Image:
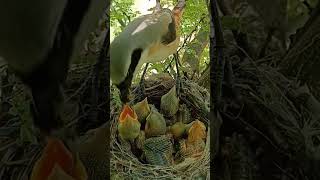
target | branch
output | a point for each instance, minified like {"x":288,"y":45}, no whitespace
{"x":121,"y":23}
{"x":125,"y":14}
{"x":217,"y":60}
{"x":190,"y":34}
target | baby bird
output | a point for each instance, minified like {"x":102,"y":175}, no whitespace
{"x":56,"y":162}
{"x":170,"y":102}
{"x":142,"y":109}
{"x":58,"y":173}
{"x":196,"y":132}
{"x":155,"y":124}
{"x":94,"y":153}
{"x":158,"y":150}
{"x":196,"y":138}
{"x":129,"y":126}
{"x":178,"y":130}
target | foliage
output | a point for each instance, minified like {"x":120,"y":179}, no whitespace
{"x":121,"y":14}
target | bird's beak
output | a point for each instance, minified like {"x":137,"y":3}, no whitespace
{"x":125,"y":85}
{"x":124,"y":88}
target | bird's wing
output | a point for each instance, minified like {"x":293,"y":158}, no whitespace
{"x":156,"y":35}
{"x":153,"y":28}
{"x":144,"y":32}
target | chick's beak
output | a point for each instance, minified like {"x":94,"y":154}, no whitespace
{"x":56,"y":154}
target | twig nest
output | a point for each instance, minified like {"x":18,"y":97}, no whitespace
{"x":161,"y":152}
{"x":128,"y":126}
{"x":142,"y":109}
{"x":178,"y":130}
{"x":181,"y":152}
{"x":158,"y":150}
{"x":184,"y":115}
{"x":170,"y":102}
{"x":155,"y":124}
{"x":195,"y":149}
{"x":140,"y":140}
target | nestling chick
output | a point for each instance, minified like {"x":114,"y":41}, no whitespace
{"x":56,"y":158}
{"x":178,"y":130}
{"x":58,"y":173}
{"x":155,"y":124}
{"x":140,"y":140}
{"x":158,"y":150}
{"x":196,"y":132}
{"x":142,"y":109}
{"x":170,"y":102}
{"x":129,"y":126}
{"x":94,"y":153}
{"x":196,"y":139}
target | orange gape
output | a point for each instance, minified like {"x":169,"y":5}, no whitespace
{"x":127,"y":111}
{"x":55,"y":153}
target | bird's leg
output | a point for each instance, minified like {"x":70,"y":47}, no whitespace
{"x":141,"y":83}
{"x":178,"y":82}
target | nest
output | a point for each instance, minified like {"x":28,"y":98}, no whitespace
{"x":124,"y":164}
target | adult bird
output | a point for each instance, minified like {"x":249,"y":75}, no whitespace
{"x":38,"y":39}
{"x":146,"y":39}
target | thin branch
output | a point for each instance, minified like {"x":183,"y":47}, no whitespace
{"x":121,"y":23}
{"x":188,"y":37}
{"x":128,"y":17}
